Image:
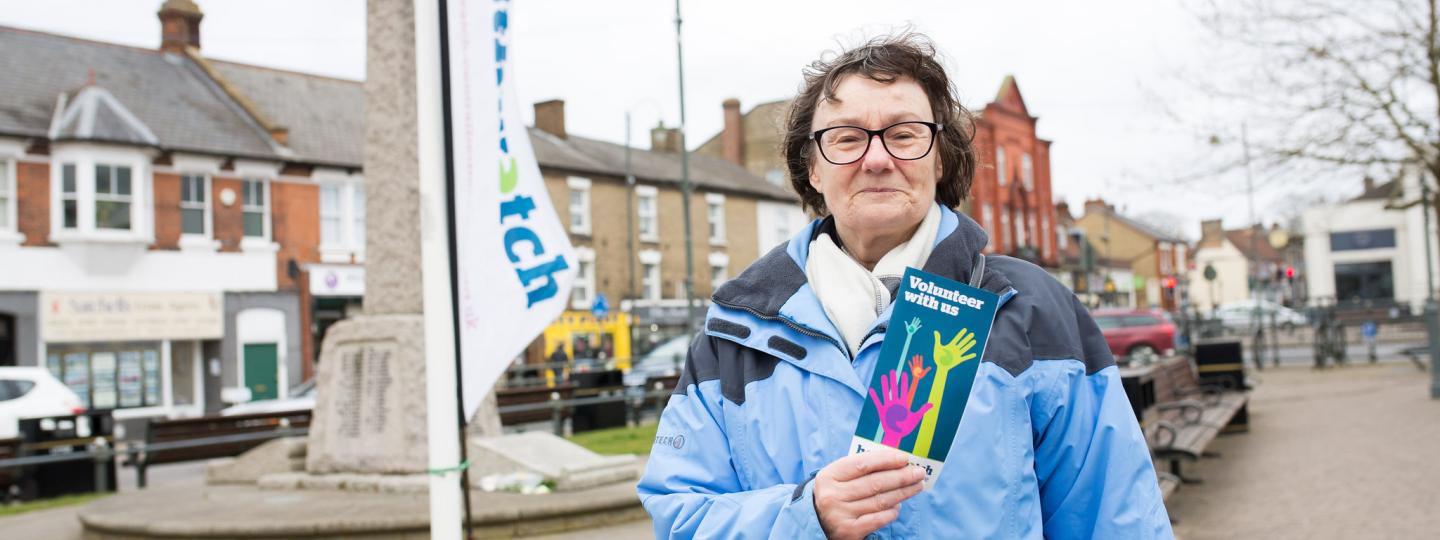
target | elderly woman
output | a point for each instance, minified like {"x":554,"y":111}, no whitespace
{"x":753,"y":442}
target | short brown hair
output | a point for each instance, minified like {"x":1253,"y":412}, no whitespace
{"x":884,"y":59}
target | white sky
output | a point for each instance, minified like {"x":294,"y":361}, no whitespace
{"x":1105,"y":78}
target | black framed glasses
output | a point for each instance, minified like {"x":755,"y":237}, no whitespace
{"x":908,"y":141}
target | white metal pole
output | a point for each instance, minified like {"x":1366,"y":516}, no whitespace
{"x":442,"y":408}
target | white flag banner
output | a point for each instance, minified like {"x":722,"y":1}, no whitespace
{"x":515,"y":262}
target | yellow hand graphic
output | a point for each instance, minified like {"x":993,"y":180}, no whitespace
{"x":956,"y":352}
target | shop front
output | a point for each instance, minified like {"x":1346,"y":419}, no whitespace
{"x":137,"y":354}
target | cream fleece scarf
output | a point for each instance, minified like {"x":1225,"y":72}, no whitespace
{"x":854,"y":297}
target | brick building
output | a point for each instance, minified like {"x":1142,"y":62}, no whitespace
{"x":176,"y":229}
{"x":639,"y":264}
{"x":1011,"y":195}
{"x":1156,"y":260}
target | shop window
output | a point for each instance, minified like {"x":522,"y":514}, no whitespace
{"x":109,"y":376}
{"x":183,"y":358}
{"x":1364,"y":281}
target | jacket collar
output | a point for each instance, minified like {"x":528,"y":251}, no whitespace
{"x":774,"y":281}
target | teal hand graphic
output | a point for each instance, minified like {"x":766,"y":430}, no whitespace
{"x":912,"y":327}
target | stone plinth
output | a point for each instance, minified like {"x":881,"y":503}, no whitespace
{"x":370,"y":405}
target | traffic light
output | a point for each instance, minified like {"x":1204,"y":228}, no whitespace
{"x":1290,"y":272}
{"x":1170,"y":282}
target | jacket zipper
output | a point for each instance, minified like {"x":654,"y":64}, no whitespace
{"x":787,"y":322}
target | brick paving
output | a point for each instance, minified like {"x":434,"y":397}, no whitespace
{"x":1352,"y":452}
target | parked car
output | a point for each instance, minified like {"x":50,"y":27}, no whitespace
{"x":32,"y":392}
{"x":1239,"y":315}
{"x":1137,"y":332}
{"x":665,"y":360}
{"x":301,"y":398}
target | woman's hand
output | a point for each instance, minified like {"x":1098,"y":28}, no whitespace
{"x":858,"y":494}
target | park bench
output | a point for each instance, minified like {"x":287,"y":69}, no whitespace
{"x":170,"y":441}
{"x":526,"y":395}
{"x":1190,"y":413}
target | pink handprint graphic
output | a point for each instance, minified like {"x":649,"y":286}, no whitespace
{"x":896,"y":418}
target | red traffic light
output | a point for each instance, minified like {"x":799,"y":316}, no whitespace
{"x":1289,"y":272}
{"x":1169,"y":282}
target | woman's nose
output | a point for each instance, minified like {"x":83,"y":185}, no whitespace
{"x":876,"y":159}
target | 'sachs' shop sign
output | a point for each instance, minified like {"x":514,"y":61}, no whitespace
{"x":67,"y":317}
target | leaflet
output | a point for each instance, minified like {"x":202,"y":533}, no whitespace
{"x":937,"y":336}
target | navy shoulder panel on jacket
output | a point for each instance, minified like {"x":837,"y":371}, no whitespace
{"x":765,"y":285}
{"x":735,"y":366}
{"x":1048,"y":322}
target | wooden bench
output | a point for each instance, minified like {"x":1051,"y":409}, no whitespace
{"x":1189,"y":415}
{"x":506,"y":397}
{"x":159,"y":432}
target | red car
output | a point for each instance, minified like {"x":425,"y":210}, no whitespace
{"x":1136,"y":332}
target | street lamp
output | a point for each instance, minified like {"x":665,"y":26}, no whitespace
{"x":1252,"y":258}
{"x":686,"y":188}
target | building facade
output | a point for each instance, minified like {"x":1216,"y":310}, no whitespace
{"x":1243,"y":262}
{"x":1157,"y":261}
{"x":630,"y":238}
{"x":169,"y":222}
{"x":1371,"y":250}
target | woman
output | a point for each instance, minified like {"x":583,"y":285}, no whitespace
{"x":756,"y":434}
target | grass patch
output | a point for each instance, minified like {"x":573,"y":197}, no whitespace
{"x":625,"y":440}
{"x":46,"y":504}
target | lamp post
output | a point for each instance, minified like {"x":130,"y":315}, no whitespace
{"x":1251,"y":258}
{"x":686,"y":189}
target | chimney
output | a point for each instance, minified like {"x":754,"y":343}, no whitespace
{"x":663,"y":139}
{"x":1062,"y":211}
{"x":1369,"y":184}
{"x":179,"y":26}
{"x":1097,"y":206}
{"x":1210,"y":228}
{"x":550,"y":117}
{"x":732,"y":139}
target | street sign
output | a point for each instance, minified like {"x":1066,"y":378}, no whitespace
{"x":601,"y":308}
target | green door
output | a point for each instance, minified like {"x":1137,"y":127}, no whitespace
{"x":261,"y":362}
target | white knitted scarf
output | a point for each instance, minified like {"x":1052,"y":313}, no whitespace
{"x":854,"y":297}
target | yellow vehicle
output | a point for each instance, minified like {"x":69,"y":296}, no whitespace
{"x":584,"y":336}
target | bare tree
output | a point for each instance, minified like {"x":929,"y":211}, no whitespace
{"x":1346,"y":87}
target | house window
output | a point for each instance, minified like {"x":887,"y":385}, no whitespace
{"x":1044,"y":232}
{"x":715,"y":214}
{"x":254,"y":207}
{"x":112,"y":197}
{"x":69,"y":197}
{"x":342,"y":220}
{"x":645,"y":213}
{"x":579,"y":205}
{"x":582,"y":293}
{"x":7,"y":198}
{"x":1000,"y":164}
{"x":194,"y":213}
{"x":717,"y":276}
{"x":987,"y":222}
{"x":1021,"y":234}
{"x":1004,"y":229}
{"x":650,"y":280}
{"x":331,"y":222}
{"x":357,"y":210}
{"x":1027,"y":172}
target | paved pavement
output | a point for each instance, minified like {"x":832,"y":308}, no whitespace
{"x":1338,"y":453}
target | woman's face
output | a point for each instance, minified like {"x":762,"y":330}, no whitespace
{"x":877,"y":194}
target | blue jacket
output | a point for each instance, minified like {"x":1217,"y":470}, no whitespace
{"x":1048,"y":445}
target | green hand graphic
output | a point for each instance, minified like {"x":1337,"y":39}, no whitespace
{"x":947,"y":356}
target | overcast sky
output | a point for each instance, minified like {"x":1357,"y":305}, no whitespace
{"x":1106,"y":79}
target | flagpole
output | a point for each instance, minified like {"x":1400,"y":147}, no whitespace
{"x":442,"y":406}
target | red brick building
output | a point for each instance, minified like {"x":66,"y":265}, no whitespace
{"x":1011,"y":196}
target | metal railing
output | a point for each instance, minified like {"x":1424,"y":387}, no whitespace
{"x":101,"y":453}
